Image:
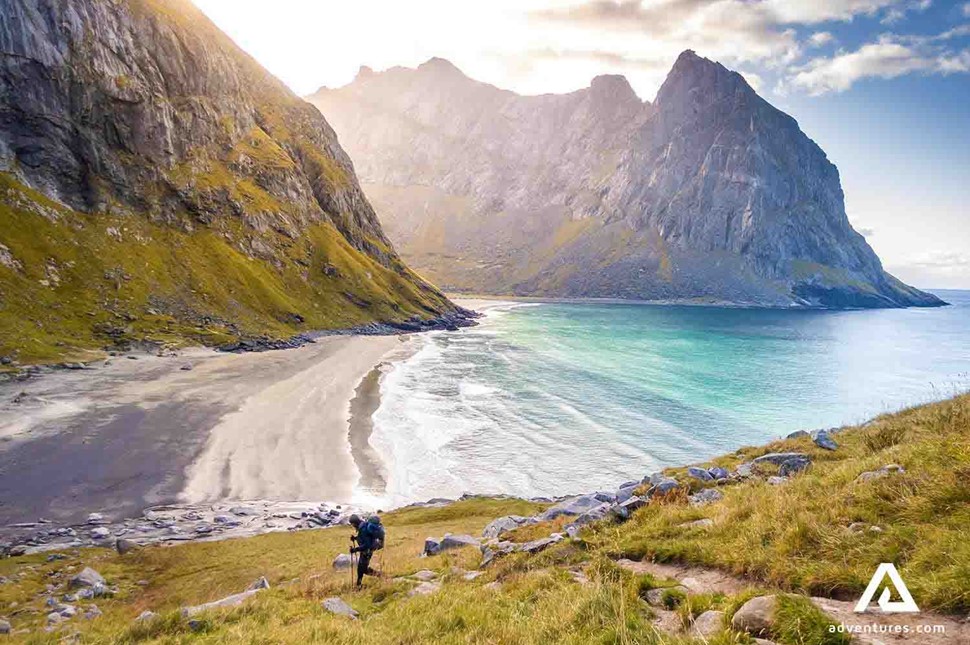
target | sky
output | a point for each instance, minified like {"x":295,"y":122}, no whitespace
{"x":883,"y":86}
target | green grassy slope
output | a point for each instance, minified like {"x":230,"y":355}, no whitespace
{"x":794,"y":538}
{"x":79,"y":282}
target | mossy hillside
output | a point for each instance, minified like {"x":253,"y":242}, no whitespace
{"x":84,"y":281}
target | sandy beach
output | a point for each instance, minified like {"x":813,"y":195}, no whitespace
{"x":201,"y":426}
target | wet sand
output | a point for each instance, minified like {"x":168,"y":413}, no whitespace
{"x":137,"y":433}
{"x":366,"y":401}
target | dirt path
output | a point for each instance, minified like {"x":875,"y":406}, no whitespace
{"x":879,"y":627}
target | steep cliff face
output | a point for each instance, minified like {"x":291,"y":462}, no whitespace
{"x":157,"y":180}
{"x":708,"y":194}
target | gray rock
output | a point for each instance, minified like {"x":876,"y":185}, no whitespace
{"x":432,"y":546}
{"x":492,"y":551}
{"x":745,"y":470}
{"x":243,"y":511}
{"x":449,"y":542}
{"x":424,"y":575}
{"x":100,"y":533}
{"x":92,"y":612}
{"x":260,"y":583}
{"x":146,"y":615}
{"x":703,"y":523}
{"x":96,"y":518}
{"x":718,"y":473}
{"x":573,"y":506}
{"x":593,"y":515}
{"x":87,"y":578}
{"x":885,"y":471}
{"x":496,"y":527}
{"x":425,"y":589}
{"x":5,"y":627}
{"x":797,"y":434}
{"x":471,"y":575}
{"x":541,"y":544}
{"x":342,"y":561}
{"x":337,"y":606}
{"x":757,"y":616}
{"x":707,"y":625}
{"x":625,"y":509}
{"x":778,"y":458}
{"x":663,"y":487}
{"x":605,"y":497}
{"x":774,"y":480}
{"x":229,"y":601}
{"x":793,"y":467}
{"x":123,"y":546}
{"x":699,"y":474}
{"x":705,"y":496}
{"x":823,"y":439}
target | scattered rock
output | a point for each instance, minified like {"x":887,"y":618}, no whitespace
{"x":18,"y":550}
{"x":186,"y":368}
{"x":699,"y":474}
{"x":471,"y":575}
{"x":425,"y":575}
{"x":885,"y":471}
{"x":756,"y":616}
{"x":797,"y":434}
{"x":88,"y":578}
{"x":496,"y":527}
{"x":229,"y":601}
{"x":823,"y":439}
{"x":92,"y":612}
{"x":707,"y":625}
{"x":778,"y":458}
{"x":662,"y":487}
{"x":706,"y":496}
{"x":146,"y":615}
{"x":777,"y":481}
{"x":261,"y":583}
{"x":123,"y":546}
{"x":337,"y":606}
{"x":342,"y":561}
{"x":655,"y":596}
{"x":95,"y":518}
{"x":718,"y":473}
{"x":541,"y":544}
{"x":625,"y":509}
{"x":425,"y":588}
{"x":432,"y":546}
{"x":745,"y":470}
{"x":450,"y":542}
{"x":100,"y":533}
{"x":5,"y":627}
{"x":792,"y":467}
{"x":573,"y":506}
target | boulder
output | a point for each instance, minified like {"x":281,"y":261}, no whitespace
{"x":92,"y":612}
{"x":663,"y":487}
{"x":496,"y":527}
{"x":123,"y":546}
{"x":745,"y":470}
{"x":88,"y":578}
{"x":605,"y":497}
{"x":707,"y":625}
{"x":706,"y":496}
{"x":624,"y":494}
{"x":593,"y":515}
{"x":823,"y":439}
{"x":717,"y":473}
{"x":337,"y":606}
{"x":500,"y":548}
{"x":342,"y":561}
{"x":793,"y":467}
{"x":573,"y":506}
{"x":432,"y":546}
{"x":778,"y":458}
{"x":699,"y":474}
{"x":5,"y":627}
{"x":624,"y":510}
{"x":541,"y":544}
{"x":757,"y":616}
{"x":449,"y":542}
{"x":95,"y":518}
{"x":797,"y":434}
{"x":229,"y":601}
{"x":100,"y":533}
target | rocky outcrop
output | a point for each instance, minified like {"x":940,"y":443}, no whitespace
{"x":707,"y":194}
{"x":150,"y":170}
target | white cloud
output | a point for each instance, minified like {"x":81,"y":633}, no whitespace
{"x":953,"y":260}
{"x":890,"y":57}
{"x":820,"y":39}
{"x":966,"y":10}
{"x":815,"y":11}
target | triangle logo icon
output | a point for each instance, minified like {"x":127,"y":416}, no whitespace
{"x":906,"y":605}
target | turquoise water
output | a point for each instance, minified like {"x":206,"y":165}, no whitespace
{"x":551,"y":398}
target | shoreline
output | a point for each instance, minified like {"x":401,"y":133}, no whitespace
{"x":366,"y":401}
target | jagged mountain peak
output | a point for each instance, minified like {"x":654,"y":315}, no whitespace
{"x":613,"y":87}
{"x":696,"y":76}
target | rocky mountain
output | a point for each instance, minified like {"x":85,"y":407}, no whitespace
{"x":709,"y":194}
{"x":158,"y":183}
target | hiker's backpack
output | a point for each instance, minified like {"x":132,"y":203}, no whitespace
{"x":374,"y":531}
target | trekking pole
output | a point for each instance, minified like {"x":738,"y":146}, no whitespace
{"x":351,"y":566}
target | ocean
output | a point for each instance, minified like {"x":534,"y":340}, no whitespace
{"x":548,"y":399}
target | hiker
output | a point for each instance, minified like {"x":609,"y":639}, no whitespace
{"x":369,"y":538}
